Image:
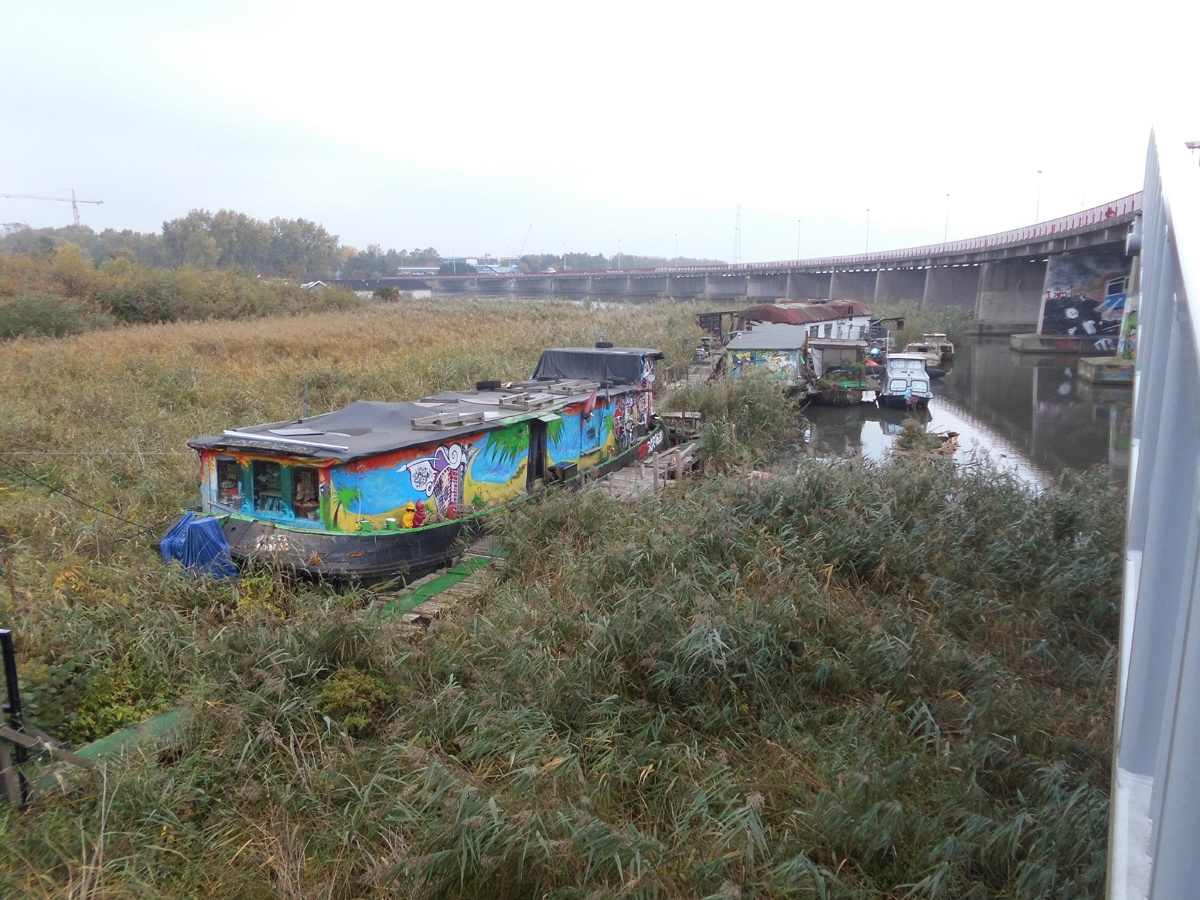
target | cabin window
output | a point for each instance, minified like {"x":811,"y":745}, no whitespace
{"x":897,"y":385}
{"x":305,"y":499}
{"x":829,"y":330}
{"x":920,"y":386}
{"x":268,"y":486}
{"x":229,"y":481}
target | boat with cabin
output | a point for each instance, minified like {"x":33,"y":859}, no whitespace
{"x":931,"y":352}
{"x":904,"y":383}
{"x":384,"y":490}
{"x":941,"y":342}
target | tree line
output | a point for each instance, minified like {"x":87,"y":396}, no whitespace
{"x":289,"y":248}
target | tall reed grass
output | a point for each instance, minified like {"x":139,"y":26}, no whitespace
{"x":849,"y":681}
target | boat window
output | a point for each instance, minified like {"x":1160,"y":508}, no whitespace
{"x":920,"y":386}
{"x":897,"y":384}
{"x":829,"y":330}
{"x":268,"y":481}
{"x":229,"y":481}
{"x":305,"y":502}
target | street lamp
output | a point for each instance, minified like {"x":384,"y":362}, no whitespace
{"x":946,"y":230}
{"x":677,"y":250}
{"x":619,"y":254}
{"x":867,"y":246}
{"x":1037,"y":210}
{"x":798,"y":221}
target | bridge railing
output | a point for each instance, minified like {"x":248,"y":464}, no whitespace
{"x":1155,"y":812}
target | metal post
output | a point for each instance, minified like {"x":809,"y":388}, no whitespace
{"x":14,"y":786}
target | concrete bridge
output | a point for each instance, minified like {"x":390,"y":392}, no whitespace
{"x":998,"y":277}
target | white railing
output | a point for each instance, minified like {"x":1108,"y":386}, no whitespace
{"x":1155,"y":817}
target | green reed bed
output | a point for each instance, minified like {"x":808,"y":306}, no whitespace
{"x":846,"y":681}
{"x":854,"y":681}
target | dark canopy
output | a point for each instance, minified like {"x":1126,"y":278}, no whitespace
{"x":617,"y":365}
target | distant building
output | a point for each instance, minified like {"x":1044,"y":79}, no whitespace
{"x":366,"y":287}
{"x":844,"y":319}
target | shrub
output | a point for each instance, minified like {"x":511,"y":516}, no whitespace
{"x":35,"y":314}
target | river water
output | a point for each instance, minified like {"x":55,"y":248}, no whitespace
{"x":1027,"y":413}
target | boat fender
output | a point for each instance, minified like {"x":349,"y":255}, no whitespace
{"x":487,"y":385}
{"x":604,"y":344}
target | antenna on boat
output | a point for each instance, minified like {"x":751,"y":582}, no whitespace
{"x":304,"y":402}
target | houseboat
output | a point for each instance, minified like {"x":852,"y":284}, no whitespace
{"x":776,"y":349}
{"x":837,"y":370}
{"x":931,"y":352}
{"x":383,"y":490}
{"x":904,"y":383}
{"x":943,"y":343}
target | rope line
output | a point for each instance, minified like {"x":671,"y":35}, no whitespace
{"x":55,"y":490}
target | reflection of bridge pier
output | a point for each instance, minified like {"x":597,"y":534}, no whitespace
{"x":1001,"y":278}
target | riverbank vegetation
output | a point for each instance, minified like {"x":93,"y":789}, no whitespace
{"x":842,"y":680}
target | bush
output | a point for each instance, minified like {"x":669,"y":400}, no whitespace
{"x":35,"y":314}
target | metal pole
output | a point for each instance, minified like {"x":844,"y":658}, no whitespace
{"x":946,"y":230}
{"x":867,"y":246}
{"x":10,"y":678}
{"x":12,"y":786}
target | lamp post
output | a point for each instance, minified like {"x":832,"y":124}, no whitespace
{"x":867,"y":245}
{"x":619,"y":254}
{"x":677,"y":250}
{"x":946,"y":229}
{"x":1037,"y":209}
{"x":798,"y":221}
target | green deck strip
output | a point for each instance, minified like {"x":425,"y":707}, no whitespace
{"x":121,"y":742}
{"x":418,"y":595}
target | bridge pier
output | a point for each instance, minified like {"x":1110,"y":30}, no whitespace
{"x":952,"y":286}
{"x":901,"y":286}
{"x":770,"y":287}
{"x":725,"y":287}
{"x":1009,"y":297}
{"x":686,"y":287}
{"x":858,"y":285}
{"x":808,"y":285}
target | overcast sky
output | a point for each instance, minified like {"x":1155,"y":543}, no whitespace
{"x":703,"y":130}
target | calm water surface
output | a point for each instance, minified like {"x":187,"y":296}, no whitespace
{"x":1029,"y":413}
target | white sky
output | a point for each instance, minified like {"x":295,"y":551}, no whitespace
{"x":635,"y":127}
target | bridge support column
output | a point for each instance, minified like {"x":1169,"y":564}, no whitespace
{"x":1009,"y":298}
{"x":686,"y":287}
{"x":955,"y":287}
{"x":725,"y":287}
{"x":901,"y":286}
{"x":770,"y":287}
{"x":853,"y":286}
{"x":808,"y":285}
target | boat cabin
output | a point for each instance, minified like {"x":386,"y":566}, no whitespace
{"x":905,"y":383}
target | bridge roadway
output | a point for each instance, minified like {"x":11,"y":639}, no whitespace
{"x":999,"y":277}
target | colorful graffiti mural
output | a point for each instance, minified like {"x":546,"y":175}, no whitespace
{"x":449,"y":480}
{"x":1085,"y":296}
{"x":781,"y":364}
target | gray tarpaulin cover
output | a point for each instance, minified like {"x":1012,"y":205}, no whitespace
{"x":619,"y":365}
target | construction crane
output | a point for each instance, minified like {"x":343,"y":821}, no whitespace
{"x":72,"y":200}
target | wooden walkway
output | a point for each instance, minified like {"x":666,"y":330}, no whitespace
{"x":419,"y":603}
{"x":652,"y":474}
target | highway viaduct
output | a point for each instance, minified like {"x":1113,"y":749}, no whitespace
{"x":999,"y":278}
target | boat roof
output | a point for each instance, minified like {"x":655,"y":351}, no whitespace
{"x":370,"y":427}
{"x":770,"y":336}
{"x":618,"y":365}
{"x":911,"y":356}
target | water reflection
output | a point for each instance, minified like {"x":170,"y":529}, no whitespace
{"x":1028,"y":413}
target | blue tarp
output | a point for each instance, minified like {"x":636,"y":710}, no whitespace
{"x":199,"y":543}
